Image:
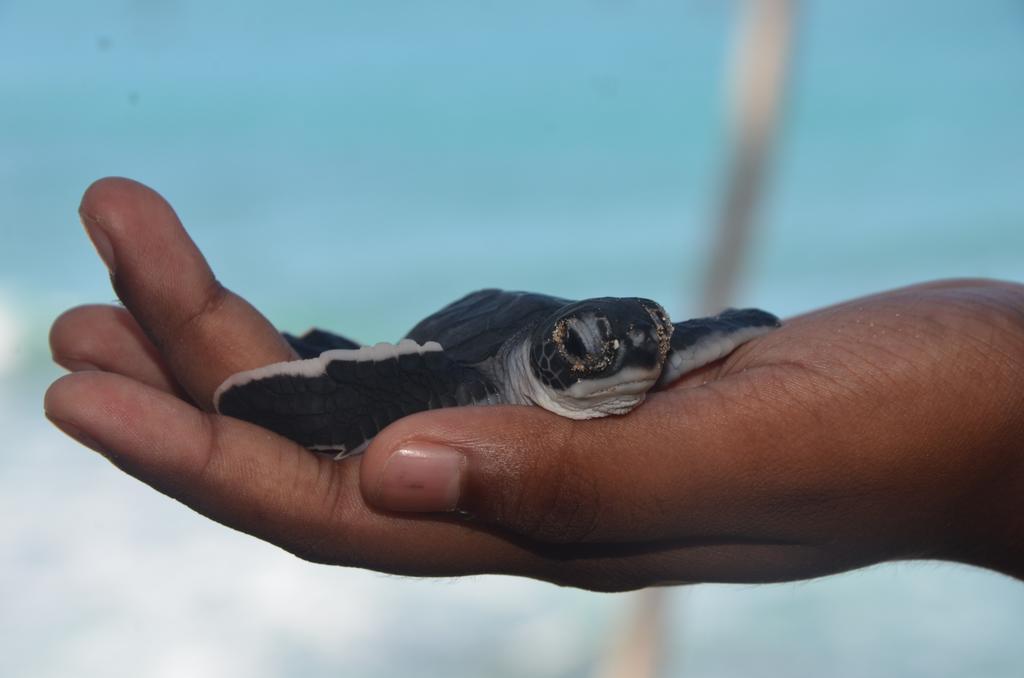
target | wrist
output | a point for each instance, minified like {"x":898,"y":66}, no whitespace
{"x":993,"y":512}
{"x":1000,"y":541}
{"x":986,"y":518}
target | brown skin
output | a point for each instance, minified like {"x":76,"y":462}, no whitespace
{"x":884,"y":428}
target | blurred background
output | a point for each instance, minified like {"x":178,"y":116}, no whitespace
{"x":357,"y":165}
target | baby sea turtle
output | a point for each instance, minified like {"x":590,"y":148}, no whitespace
{"x":579,"y":359}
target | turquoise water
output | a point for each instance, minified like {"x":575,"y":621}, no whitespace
{"x":358,"y":165}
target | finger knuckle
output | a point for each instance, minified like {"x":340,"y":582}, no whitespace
{"x":214,"y":296}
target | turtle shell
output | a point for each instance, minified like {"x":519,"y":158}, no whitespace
{"x":474,"y":328}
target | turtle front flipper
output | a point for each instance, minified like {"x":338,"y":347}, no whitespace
{"x":341,"y":399}
{"x":316,"y":341}
{"x":700,"y":341}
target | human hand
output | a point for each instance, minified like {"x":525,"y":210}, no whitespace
{"x":883,"y":428}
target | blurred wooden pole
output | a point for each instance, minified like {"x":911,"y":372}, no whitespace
{"x":758,"y":85}
{"x":758,"y":82}
{"x":635,"y":650}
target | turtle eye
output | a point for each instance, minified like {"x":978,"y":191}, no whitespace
{"x":573,"y":344}
{"x":582,"y":343}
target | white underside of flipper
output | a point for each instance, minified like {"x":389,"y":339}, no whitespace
{"x":707,"y":350}
{"x":314,"y":367}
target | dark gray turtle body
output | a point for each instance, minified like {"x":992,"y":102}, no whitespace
{"x":581,"y":359}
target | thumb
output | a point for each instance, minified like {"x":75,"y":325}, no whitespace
{"x":663,"y":470}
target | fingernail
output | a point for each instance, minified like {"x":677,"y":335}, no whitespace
{"x":421,"y":477}
{"x":77,"y":433}
{"x":99,"y":239}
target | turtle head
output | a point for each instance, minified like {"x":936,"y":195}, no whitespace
{"x":598,"y":356}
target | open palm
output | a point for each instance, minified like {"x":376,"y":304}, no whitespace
{"x":882,"y":428}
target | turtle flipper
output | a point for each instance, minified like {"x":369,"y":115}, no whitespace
{"x":701,"y":341}
{"x":316,"y":341}
{"x":339,"y":400}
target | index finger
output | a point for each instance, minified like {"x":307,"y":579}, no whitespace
{"x":204,"y":331}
